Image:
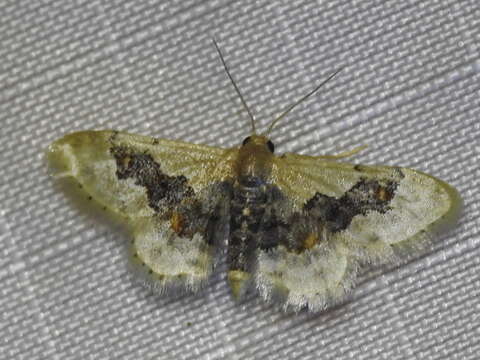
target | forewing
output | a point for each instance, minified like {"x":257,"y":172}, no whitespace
{"x":345,"y":215}
{"x":126,"y":172}
{"x":388,"y":204}
{"x":171,"y":193}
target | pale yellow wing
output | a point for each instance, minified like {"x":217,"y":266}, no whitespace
{"x":418,"y":202}
{"x":348,"y":215}
{"x":170,"y":192}
{"x":94,"y":157}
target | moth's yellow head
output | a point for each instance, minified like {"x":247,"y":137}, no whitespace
{"x":258,"y":143}
{"x":255,"y":156}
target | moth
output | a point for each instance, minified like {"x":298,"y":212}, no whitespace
{"x":296,"y":228}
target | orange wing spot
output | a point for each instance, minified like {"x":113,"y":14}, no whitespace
{"x":177,"y":222}
{"x":383,"y":194}
{"x":126,"y":161}
{"x":310,"y":241}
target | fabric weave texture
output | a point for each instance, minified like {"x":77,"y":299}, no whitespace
{"x":409,"y":89}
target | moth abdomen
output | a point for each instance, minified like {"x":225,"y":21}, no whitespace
{"x":246,"y":213}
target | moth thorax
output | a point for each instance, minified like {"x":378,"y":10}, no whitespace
{"x":254,"y":161}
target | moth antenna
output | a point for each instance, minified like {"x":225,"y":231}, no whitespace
{"x":236,"y":87}
{"x":290,"y":108}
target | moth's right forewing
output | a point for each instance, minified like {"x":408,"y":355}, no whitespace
{"x":95,"y":159}
{"x":173,"y":194}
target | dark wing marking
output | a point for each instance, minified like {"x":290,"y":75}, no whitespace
{"x":163,"y":191}
{"x":366,"y":195}
{"x":171,"y":193}
{"x":380,"y":213}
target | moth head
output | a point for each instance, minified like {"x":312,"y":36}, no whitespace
{"x":258,"y":141}
{"x":255,"y":157}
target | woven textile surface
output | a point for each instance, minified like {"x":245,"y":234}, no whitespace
{"x":409,"y":88}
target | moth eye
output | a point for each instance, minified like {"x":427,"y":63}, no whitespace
{"x":247,"y":139}
{"x":270,"y":145}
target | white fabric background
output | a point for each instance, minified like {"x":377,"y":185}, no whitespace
{"x":409,"y":89}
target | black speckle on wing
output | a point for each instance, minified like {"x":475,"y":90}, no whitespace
{"x":365,"y":195}
{"x":162,"y":190}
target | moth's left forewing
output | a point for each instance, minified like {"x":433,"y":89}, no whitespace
{"x":360,"y":214}
{"x":421,"y":206}
{"x":415,"y":201}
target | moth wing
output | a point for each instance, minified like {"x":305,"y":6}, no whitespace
{"x":414,"y":202}
{"x":94,"y":158}
{"x":350,"y":214}
{"x":170,"y":193}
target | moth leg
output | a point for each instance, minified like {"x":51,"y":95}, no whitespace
{"x":344,"y":154}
